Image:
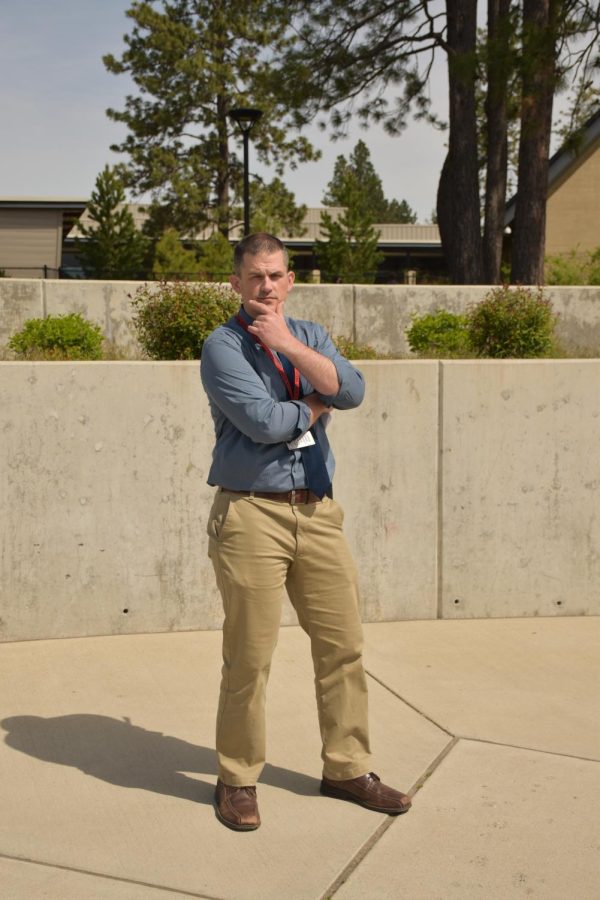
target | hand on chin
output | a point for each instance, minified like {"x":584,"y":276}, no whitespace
{"x":269,"y":304}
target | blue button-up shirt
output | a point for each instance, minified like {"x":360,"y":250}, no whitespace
{"x":253,"y":415}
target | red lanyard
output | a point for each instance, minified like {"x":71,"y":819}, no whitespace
{"x":295,"y":393}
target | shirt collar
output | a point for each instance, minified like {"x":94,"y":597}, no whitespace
{"x":244,"y":315}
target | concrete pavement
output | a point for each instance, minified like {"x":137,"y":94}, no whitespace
{"x":108,"y":769}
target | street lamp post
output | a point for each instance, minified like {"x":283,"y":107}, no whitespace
{"x":246,"y":119}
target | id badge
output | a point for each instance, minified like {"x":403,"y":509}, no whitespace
{"x":305,"y":440}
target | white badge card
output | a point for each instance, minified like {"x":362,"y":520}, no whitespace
{"x":305,"y":440}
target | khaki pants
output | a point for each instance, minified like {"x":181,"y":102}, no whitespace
{"x":259,"y":547}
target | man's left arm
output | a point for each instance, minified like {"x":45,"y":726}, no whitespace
{"x":337,"y":382}
{"x":316,"y":368}
{"x":350,"y":380}
{"x":272,"y":329}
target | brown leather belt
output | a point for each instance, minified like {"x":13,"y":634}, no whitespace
{"x":293,"y":497}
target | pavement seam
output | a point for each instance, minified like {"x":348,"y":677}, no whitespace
{"x":371,"y":841}
{"x":356,"y":860}
{"x":91,"y":873}
{"x":433,"y":765}
{"x":408,"y":703}
{"x":465,"y":737}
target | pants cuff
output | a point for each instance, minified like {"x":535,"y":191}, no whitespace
{"x":237,"y":780}
{"x":345,"y":773}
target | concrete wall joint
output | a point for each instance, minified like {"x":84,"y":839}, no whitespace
{"x":440,"y":493}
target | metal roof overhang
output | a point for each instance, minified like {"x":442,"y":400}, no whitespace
{"x":71,"y":207}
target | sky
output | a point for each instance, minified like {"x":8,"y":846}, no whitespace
{"x":54,"y":91}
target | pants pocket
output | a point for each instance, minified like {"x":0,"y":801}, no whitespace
{"x":219,"y":516}
{"x":337,"y":513}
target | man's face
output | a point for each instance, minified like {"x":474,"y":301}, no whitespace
{"x":263,"y":283}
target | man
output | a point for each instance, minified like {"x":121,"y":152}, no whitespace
{"x":271,"y":382}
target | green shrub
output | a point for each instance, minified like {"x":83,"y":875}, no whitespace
{"x":574,"y":267}
{"x":58,"y":338}
{"x":352,"y":350}
{"x":439,"y":334}
{"x":174,"y":319}
{"x":512,"y":322}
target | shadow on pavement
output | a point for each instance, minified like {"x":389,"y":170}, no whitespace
{"x":116,"y":751}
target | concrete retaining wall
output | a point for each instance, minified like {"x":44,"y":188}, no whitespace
{"x":370,"y":314}
{"x":519,"y":488}
{"x":470,"y":489}
{"x":382,"y":313}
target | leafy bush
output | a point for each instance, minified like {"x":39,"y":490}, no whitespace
{"x":512,"y":323}
{"x":574,"y":267}
{"x":352,"y":350}
{"x":508,"y":322}
{"x":439,"y":334}
{"x":58,"y":338}
{"x":174,"y":319}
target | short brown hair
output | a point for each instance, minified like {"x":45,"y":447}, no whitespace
{"x":253,"y":244}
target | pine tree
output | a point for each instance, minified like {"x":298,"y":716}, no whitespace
{"x":172,"y":262}
{"x":350,"y":254}
{"x":273,"y":209}
{"x":216,"y":258}
{"x":400,"y":212}
{"x":192,"y":61}
{"x":356,"y":177}
{"x":113,"y":248}
{"x":540,"y":76}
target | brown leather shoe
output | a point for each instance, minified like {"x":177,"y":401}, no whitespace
{"x":237,"y":807}
{"x":368,"y":791}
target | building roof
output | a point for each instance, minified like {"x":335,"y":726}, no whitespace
{"x":68,"y":203}
{"x":391,"y":234}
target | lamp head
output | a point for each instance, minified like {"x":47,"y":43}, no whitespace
{"x":245,"y":117}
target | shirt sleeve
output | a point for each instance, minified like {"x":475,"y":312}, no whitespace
{"x":351,"y":380}
{"x":237,"y":390}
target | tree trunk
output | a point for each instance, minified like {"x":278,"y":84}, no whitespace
{"x":445,"y":220}
{"x":496,"y":112}
{"x":539,"y":79}
{"x":222,"y":180}
{"x":462,"y":239}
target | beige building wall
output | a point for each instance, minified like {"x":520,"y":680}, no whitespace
{"x":29,"y":240}
{"x":573,"y":210}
